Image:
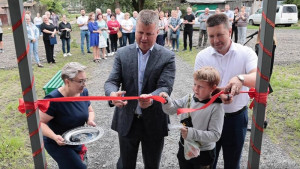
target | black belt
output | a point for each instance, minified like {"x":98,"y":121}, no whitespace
{"x":235,"y":113}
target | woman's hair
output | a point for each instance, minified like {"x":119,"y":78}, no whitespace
{"x":99,"y":14}
{"x":148,"y":17}
{"x":90,"y":15}
{"x":27,"y":16}
{"x":218,"y":19}
{"x":207,"y":74}
{"x":71,"y":70}
{"x":237,"y":9}
{"x":113,"y":14}
{"x":127,"y":14}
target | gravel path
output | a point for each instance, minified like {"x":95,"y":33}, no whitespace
{"x":104,"y":153}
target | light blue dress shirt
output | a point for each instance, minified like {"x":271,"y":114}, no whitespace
{"x":142,"y":63}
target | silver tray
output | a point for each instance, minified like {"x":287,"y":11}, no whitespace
{"x":82,"y":135}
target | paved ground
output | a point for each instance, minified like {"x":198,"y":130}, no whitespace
{"x":104,"y":153}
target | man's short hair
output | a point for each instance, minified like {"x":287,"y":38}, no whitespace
{"x":218,"y":19}
{"x":208,"y":74}
{"x":148,"y":17}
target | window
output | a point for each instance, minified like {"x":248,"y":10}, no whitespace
{"x":289,"y":9}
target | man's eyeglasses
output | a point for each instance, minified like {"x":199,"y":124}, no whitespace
{"x":81,"y":81}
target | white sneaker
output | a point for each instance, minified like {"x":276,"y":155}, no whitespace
{"x":69,"y":54}
{"x":65,"y":55}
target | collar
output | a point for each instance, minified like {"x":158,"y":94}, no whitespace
{"x":218,"y":100}
{"x":139,"y":50}
{"x":232,"y":48}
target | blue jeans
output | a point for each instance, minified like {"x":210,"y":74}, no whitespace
{"x":160,"y":40}
{"x":177,"y":41}
{"x":132,"y":38}
{"x":39,"y":26}
{"x":34,"y":50}
{"x":242,"y":31}
{"x":126,"y":36}
{"x":232,"y":140}
{"x":85,"y":34}
{"x":64,"y":40}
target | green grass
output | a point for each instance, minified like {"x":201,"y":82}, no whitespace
{"x":282,"y":108}
{"x":15,"y":149}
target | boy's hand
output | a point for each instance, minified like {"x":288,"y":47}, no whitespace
{"x":184,"y":132}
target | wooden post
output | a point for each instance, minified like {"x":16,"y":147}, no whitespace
{"x":17,"y":15}
{"x":262,"y":81}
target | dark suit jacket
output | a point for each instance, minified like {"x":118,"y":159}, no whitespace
{"x":159,"y":77}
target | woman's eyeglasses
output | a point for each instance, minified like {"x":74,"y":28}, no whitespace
{"x":81,"y":81}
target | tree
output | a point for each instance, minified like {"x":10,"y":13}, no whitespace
{"x":53,"y":5}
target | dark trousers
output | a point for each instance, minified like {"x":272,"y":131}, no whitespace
{"x":64,"y":41}
{"x":65,"y":156}
{"x":113,"y":40}
{"x":235,"y":32}
{"x":107,"y":48}
{"x":202,"y":33}
{"x":190,"y":34}
{"x":126,"y":36}
{"x":132,"y":38}
{"x":129,"y":146}
{"x":232,"y":140}
{"x":121,"y":39}
{"x":160,"y":40}
{"x":49,"y":51}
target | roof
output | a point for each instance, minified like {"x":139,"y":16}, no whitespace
{"x":205,"y":1}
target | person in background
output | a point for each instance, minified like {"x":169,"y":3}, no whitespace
{"x":82,"y":22}
{"x":168,"y":34}
{"x":48,"y":14}
{"x":108,"y":46}
{"x":54,"y":19}
{"x":127,"y":26}
{"x":29,"y":13}
{"x":65,"y":28}
{"x":63,"y":116}
{"x":174,"y":28}
{"x":142,"y":69}
{"x":239,"y":75}
{"x":33,"y":34}
{"x":94,"y":36}
{"x":98,"y":11}
{"x":1,"y":34}
{"x":38,"y":21}
{"x":217,"y":11}
{"x":202,"y":31}
{"x":203,"y":127}
{"x":113,"y":27}
{"x":234,"y":25}
{"x":179,"y":13}
{"x":49,"y":31}
{"x":133,"y":19}
{"x":161,"y":28}
{"x":120,"y":18}
{"x":102,"y":31}
{"x":188,"y":21}
{"x":242,"y":26}
{"x":108,"y":14}
{"x":229,"y":14}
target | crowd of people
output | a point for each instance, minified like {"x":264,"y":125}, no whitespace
{"x":144,"y":67}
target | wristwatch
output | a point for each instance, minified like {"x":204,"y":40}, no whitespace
{"x":241,"y":78}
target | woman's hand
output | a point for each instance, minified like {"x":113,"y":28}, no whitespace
{"x":52,"y":35}
{"x":184,"y":132}
{"x":100,"y":31}
{"x":91,"y":123}
{"x":59,"y":140}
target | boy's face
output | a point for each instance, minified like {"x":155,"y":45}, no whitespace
{"x":202,"y":89}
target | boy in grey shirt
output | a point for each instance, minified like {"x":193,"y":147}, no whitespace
{"x":203,"y":126}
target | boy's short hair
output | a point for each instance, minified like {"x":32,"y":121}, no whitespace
{"x":208,"y":74}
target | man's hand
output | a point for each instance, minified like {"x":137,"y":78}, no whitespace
{"x":145,"y":101}
{"x":184,"y":132}
{"x":59,"y":140}
{"x":118,"y":103}
{"x":234,"y":86}
{"x":91,"y":123}
{"x":226,"y":98}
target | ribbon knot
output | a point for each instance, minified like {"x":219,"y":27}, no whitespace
{"x":258,"y":97}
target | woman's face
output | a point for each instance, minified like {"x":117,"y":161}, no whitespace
{"x":46,"y":20}
{"x":93,"y":17}
{"x":100,"y":17}
{"x":236,"y":11}
{"x":27,"y":19}
{"x":126,"y":16}
{"x":113,"y":18}
{"x":78,"y":83}
{"x":105,"y":18}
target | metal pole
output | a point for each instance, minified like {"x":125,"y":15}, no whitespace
{"x":17,"y":15}
{"x":262,"y":80}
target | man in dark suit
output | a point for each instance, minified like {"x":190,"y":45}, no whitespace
{"x":141,"y":69}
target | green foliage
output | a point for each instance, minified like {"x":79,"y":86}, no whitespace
{"x":53,"y":5}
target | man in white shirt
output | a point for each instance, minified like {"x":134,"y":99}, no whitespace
{"x":82,"y":22}
{"x":119,"y":17}
{"x":229,"y":13}
{"x":237,"y":66}
{"x":108,"y":14}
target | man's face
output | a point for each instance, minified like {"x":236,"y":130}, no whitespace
{"x":206,"y":10}
{"x":108,"y":11}
{"x":135,"y":14}
{"x":82,"y":12}
{"x":189,"y":10}
{"x":145,"y":36}
{"x":219,"y":38}
{"x":117,"y":11}
{"x":227,"y":7}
